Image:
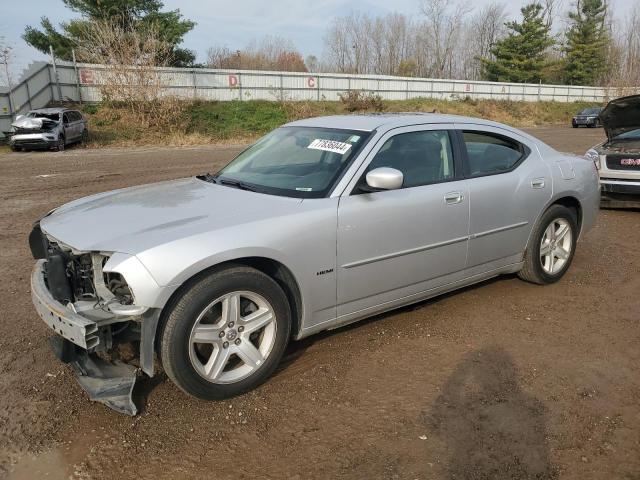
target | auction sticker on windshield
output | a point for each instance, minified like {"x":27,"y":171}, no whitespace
{"x":330,"y":146}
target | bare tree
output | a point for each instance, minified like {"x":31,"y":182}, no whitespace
{"x":131,"y":77}
{"x":477,"y":37}
{"x":219,"y":57}
{"x":443,"y":22}
{"x":269,"y":53}
{"x":311,"y":61}
{"x":623,"y":69}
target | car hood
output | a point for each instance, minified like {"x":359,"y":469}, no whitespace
{"x":134,"y":219}
{"x":621,"y":115}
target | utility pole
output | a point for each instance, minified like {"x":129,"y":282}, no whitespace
{"x":55,"y":73}
{"x":5,"y":60}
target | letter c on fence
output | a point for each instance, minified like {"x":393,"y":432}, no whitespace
{"x":233,"y":81}
{"x":311,"y":82}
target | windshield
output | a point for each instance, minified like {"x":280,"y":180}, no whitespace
{"x":630,"y":135}
{"x":300,"y":162}
{"x":590,"y":111}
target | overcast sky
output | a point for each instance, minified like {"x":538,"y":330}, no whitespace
{"x":235,"y":23}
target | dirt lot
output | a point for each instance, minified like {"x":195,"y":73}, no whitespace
{"x":502,"y":380}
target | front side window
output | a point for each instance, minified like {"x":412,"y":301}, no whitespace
{"x":489,"y":154}
{"x":295,"y":161}
{"x":423,"y":157}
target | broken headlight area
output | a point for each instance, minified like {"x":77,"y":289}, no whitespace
{"x":98,"y":326}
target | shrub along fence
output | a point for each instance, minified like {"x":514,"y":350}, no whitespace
{"x":46,"y":82}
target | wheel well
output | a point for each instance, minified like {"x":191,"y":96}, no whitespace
{"x":573,"y":204}
{"x":283,"y":276}
{"x":274,"y":269}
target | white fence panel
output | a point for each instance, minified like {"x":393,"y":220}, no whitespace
{"x":82,"y":82}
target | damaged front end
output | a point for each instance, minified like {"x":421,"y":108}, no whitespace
{"x":101,"y":332}
{"x":34,"y":132}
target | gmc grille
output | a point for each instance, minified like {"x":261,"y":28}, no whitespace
{"x":623,"y":162}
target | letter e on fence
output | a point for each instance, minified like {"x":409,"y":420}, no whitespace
{"x":467,"y":87}
{"x":86,"y":76}
{"x":233,"y":81}
{"x":311,"y":82}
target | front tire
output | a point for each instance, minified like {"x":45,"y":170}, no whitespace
{"x":552,"y":246}
{"x":226,"y":333}
{"x":60,"y":144}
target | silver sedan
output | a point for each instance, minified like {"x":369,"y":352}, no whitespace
{"x":320,"y":223}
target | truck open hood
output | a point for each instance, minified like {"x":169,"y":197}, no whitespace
{"x":621,"y":115}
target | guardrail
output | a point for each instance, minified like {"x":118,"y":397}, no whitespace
{"x":45,"y":82}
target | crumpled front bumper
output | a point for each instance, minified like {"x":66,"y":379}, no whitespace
{"x":62,"y":320}
{"x":108,"y":382}
{"x":34,"y":140}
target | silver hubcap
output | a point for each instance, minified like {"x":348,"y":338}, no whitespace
{"x":232,"y":337}
{"x":556,"y":245}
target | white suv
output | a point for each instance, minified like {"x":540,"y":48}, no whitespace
{"x":618,"y":159}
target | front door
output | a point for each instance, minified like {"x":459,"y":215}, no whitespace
{"x":399,"y":243}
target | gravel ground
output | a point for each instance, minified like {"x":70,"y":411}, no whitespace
{"x":502,"y":380}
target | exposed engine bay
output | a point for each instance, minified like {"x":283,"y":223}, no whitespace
{"x":99,"y":328}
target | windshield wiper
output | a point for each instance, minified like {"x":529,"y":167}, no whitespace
{"x":207,"y":177}
{"x":236,"y":184}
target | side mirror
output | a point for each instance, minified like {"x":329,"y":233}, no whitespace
{"x":384,"y":178}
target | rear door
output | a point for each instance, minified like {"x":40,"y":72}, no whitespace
{"x":509,"y":185}
{"x":69,"y":133}
{"x":76,"y":119}
{"x":396,"y":244}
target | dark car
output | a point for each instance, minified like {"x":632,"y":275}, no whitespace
{"x":47,"y":128}
{"x":589,"y":117}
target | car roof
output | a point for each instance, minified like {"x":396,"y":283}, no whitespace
{"x":373,"y":121}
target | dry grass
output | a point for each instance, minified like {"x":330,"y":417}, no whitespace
{"x":201,"y":123}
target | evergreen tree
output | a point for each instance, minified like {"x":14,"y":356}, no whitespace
{"x":587,"y":42}
{"x":138,"y":13}
{"x":520,"y":56}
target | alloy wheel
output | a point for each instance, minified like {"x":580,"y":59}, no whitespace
{"x":556,"y":246}
{"x":232,"y":337}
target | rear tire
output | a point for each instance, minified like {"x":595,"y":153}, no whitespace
{"x":209,"y":346}
{"x":552,"y":246}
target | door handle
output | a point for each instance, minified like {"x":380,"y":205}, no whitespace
{"x":452,"y":198}
{"x":537,"y":183}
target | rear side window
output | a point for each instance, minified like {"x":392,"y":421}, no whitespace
{"x":490,"y":154}
{"x":423,"y":157}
